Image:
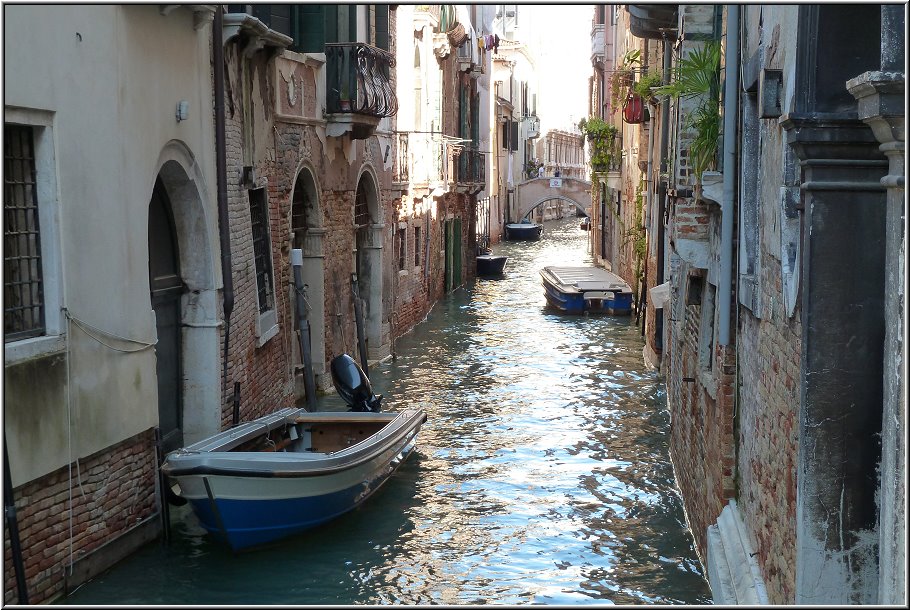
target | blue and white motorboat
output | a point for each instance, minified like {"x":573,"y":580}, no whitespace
{"x":579,"y":290}
{"x":293,"y":470}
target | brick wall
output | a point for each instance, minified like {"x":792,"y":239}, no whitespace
{"x":701,"y":377}
{"x":112,"y":491}
{"x":769,"y":362}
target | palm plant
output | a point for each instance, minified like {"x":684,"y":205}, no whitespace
{"x":698,"y":76}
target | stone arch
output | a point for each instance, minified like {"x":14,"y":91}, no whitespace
{"x":540,"y":202}
{"x":194,"y":226}
{"x":531,"y":193}
{"x":368,"y":257}
{"x":307,"y":233}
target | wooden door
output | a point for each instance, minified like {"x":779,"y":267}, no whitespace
{"x":166,"y":290}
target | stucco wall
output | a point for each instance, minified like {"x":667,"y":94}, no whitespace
{"x":112,"y":88}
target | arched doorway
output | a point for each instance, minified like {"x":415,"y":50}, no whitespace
{"x":368,"y":260}
{"x":181,"y":233}
{"x":307,"y":235}
{"x":166,"y":290}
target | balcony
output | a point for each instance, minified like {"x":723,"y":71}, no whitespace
{"x":358,"y":88}
{"x":598,"y":43}
{"x":401,"y":168}
{"x":471,"y":170}
{"x":426,"y":161}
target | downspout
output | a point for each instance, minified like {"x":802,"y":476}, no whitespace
{"x":662,"y":189}
{"x":731,"y":103}
{"x":224,"y":231}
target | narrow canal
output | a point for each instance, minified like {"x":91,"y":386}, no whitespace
{"x":541,"y":476}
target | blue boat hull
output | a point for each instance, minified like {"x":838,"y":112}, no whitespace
{"x":487,"y":264}
{"x":246,"y":523}
{"x":523,"y":231}
{"x":247,"y":495}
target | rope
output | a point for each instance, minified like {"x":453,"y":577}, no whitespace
{"x":85,"y":326}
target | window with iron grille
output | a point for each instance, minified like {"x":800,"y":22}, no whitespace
{"x":262,"y":251}
{"x":416,"y":246}
{"x":361,"y":209}
{"x":402,"y":248}
{"x":23,"y":308}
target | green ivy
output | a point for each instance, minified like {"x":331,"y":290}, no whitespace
{"x":637,"y":236}
{"x":602,"y":138}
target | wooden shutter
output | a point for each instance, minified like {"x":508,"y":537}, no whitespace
{"x":310,"y":35}
{"x":514,"y":134}
{"x":382,"y":26}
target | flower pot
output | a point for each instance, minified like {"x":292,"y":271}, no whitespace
{"x":634,"y":110}
{"x":345,"y":105}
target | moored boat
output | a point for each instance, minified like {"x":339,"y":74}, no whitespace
{"x":489,"y":264}
{"x":292,"y":470}
{"x":579,"y":290}
{"x":523,"y":231}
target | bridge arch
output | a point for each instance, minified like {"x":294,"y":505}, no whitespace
{"x":536,"y":191}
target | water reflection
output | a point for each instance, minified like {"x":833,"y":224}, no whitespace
{"x":541,"y":476}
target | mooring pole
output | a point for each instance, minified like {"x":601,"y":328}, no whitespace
{"x":12,"y":523}
{"x":303,"y":328}
{"x":162,"y":486}
{"x":358,"y":318}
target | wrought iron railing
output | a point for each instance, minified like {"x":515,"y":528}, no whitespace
{"x":358,"y":80}
{"x":471,"y":167}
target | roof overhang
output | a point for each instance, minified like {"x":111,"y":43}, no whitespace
{"x":652,"y":20}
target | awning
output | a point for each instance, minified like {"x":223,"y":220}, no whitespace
{"x":648,"y":20}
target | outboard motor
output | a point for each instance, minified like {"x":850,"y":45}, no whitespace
{"x":353,"y":385}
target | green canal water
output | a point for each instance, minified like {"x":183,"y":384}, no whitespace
{"x":541,"y":476}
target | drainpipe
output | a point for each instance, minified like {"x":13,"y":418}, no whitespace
{"x":9,"y":508}
{"x":731,"y":103}
{"x":224,"y":231}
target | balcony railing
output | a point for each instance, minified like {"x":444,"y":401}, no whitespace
{"x":471,"y":167}
{"x":427,"y":159}
{"x":401,"y":172}
{"x":358,"y":80}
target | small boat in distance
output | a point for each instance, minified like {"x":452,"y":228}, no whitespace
{"x":579,"y":290}
{"x":489,"y":264}
{"x":292,"y":470}
{"x":523,"y":231}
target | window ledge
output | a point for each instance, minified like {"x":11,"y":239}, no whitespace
{"x":268,"y":334}
{"x":36,"y":347}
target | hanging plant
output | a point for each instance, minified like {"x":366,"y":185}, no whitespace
{"x":602,"y":137}
{"x":623,"y":78}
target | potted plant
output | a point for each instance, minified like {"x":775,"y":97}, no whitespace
{"x":344,"y":100}
{"x":645,"y":85}
{"x":698,"y":75}
{"x":623,"y":78}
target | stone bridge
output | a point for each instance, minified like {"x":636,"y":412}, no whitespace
{"x":531,"y":193}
